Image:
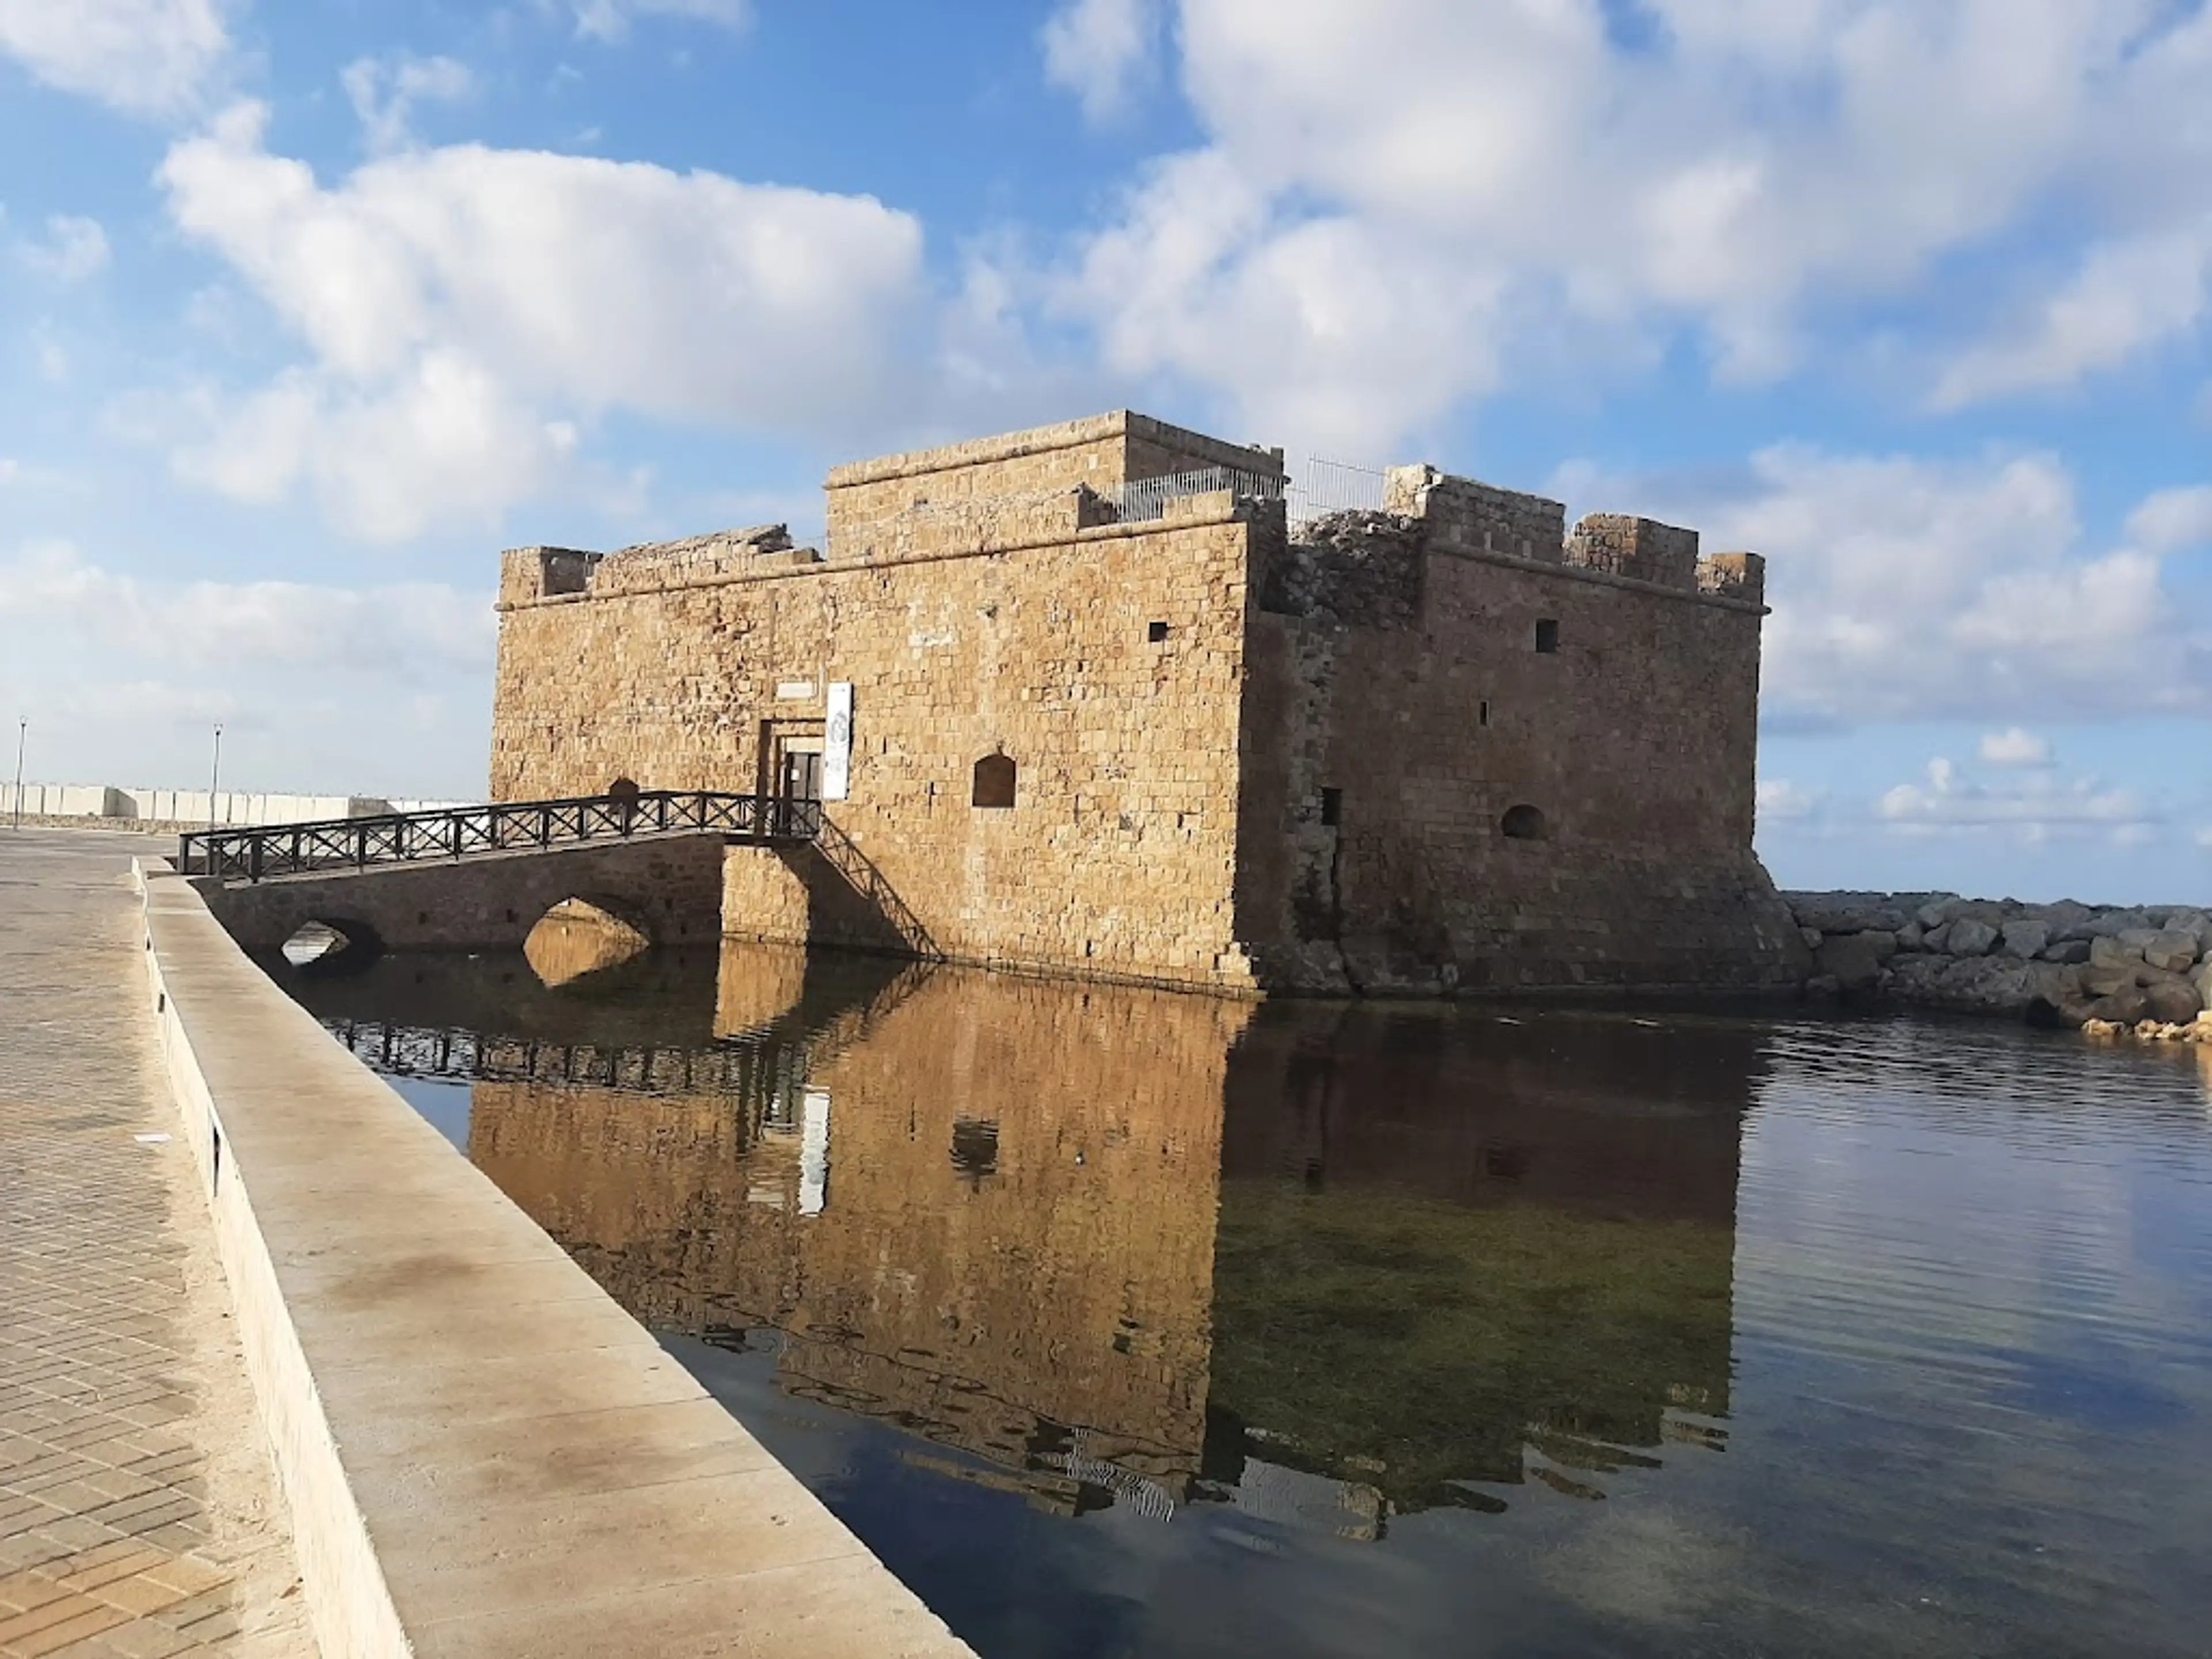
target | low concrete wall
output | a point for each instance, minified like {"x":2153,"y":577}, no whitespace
{"x":194,"y":807}
{"x":671,"y":889}
{"x":483,"y":1454}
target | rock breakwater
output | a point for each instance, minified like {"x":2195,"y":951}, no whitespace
{"x":2108,"y":969}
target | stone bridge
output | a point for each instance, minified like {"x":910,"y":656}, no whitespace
{"x":670,"y":888}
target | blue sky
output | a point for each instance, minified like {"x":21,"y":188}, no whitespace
{"x":307,"y":310}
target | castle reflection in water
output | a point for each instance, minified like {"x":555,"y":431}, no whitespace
{"x":1327,"y":1262}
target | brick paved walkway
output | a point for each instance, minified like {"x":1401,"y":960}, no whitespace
{"x":137,"y":1510}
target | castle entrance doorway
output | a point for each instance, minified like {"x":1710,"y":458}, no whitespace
{"x":791,"y":760}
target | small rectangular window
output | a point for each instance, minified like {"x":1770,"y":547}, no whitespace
{"x":1482,"y":713}
{"x":1548,"y":636}
{"x":1331,"y":807}
{"x":1157,"y":632}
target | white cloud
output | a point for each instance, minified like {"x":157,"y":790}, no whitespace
{"x":2032,"y":806}
{"x":1485,"y":181}
{"x":1320,"y":331}
{"x":2204,"y":837}
{"x":466,"y":310}
{"x":1779,"y":799}
{"x":74,"y":249}
{"x":384,"y":91}
{"x":144,"y":57}
{"x":1100,"y":50}
{"x":2173,"y":518}
{"x":2014,"y":746}
{"x":1905,"y":588}
{"x":372,"y":689}
{"x":2129,"y":295}
{"x":405,"y":631}
{"x":610,"y":20}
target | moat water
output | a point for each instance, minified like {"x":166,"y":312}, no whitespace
{"x":1129,"y":1324}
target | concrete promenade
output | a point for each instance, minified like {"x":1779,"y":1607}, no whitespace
{"x":484,"y":1456}
{"x":138,"y":1511}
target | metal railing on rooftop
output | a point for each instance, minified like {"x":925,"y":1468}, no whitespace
{"x":1139,"y":501}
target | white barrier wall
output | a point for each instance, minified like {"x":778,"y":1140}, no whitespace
{"x":80,"y":800}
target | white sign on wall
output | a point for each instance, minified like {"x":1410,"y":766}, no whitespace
{"x":837,"y":743}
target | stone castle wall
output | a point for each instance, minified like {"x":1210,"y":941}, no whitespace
{"x":1418,"y":674}
{"x":1100,"y":452}
{"x":1116,"y":858}
{"x":1227,"y":745}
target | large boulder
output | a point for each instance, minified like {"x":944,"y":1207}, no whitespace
{"x":2108,"y":923}
{"x":1847,"y":913}
{"x":2004,"y":986}
{"x":1854,"y":960}
{"x":2121,"y":1008}
{"x":1937,"y":939}
{"x":2202,"y":981}
{"x":2024,"y":938}
{"x":2107,"y":950}
{"x":2137,"y":938}
{"x":2172,"y":1000}
{"x":2172,"y":950}
{"x":1970,"y":937}
{"x":1994,"y":912}
{"x":2192,"y":921}
{"x":1937,"y":911}
{"x":2062,"y":916}
{"x":2104,"y":980}
{"x":2067,"y":950}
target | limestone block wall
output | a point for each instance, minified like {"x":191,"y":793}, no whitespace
{"x":1416,"y":685}
{"x":1100,"y":452}
{"x":1105,"y":664}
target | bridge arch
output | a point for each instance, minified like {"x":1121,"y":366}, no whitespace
{"x":323,"y":945}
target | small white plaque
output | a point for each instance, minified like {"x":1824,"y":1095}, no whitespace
{"x":793,"y":691}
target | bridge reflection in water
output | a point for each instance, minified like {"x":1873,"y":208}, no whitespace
{"x":1328,"y":1264}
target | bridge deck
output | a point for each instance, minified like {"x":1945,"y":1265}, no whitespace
{"x":267,"y":851}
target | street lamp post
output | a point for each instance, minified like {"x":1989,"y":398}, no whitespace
{"x":215,"y":774}
{"x":22,"y":731}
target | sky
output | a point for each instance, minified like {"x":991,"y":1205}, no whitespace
{"x":307,"y":310}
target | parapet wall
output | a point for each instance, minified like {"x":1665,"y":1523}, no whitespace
{"x":1100,"y":454}
{"x":1462,"y":515}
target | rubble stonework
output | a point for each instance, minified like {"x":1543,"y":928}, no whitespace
{"x":1447,"y":745}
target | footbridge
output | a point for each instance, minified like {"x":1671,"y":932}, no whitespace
{"x":479,"y":878}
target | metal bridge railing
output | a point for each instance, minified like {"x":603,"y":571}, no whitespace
{"x":290,"y":849}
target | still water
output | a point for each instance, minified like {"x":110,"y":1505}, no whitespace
{"x":1120,"y":1323}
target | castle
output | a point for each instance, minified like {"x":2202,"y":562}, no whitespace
{"x":1083,"y":699}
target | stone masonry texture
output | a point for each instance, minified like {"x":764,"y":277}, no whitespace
{"x":138,"y":1514}
{"x":1452,"y":743}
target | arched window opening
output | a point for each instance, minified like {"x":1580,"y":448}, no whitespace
{"x":622,"y":792}
{"x":1524,"y":822}
{"x":994,"y":782}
